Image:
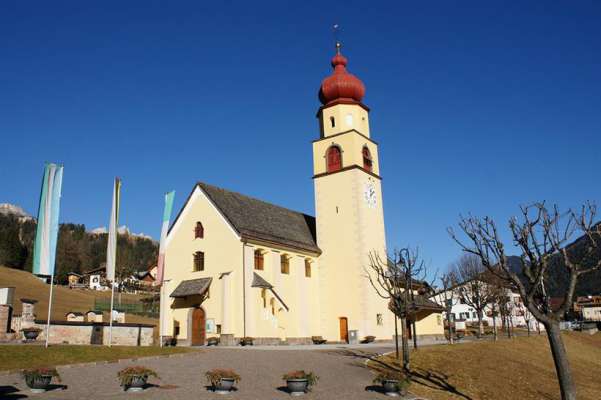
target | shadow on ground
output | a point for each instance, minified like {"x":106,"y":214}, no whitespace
{"x":10,"y":392}
{"x":431,"y":379}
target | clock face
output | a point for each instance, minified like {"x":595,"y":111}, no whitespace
{"x":369,"y":194}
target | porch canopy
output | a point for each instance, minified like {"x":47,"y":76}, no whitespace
{"x":192,"y":287}
{"x":259,"y":282}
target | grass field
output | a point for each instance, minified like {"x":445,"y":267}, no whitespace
{"x":520,"y":368}
{"x":14,"y":357}
{"x":64,"y":299}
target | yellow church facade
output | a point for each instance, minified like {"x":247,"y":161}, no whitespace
{"x":239,"y":267}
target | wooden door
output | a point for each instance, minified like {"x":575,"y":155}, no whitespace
{"x":198,"y":327}
{"x":344,"y":329}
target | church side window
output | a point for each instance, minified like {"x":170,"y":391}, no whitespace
{"x":259,"y":260}
{"x":285,"y":264}
{"x":264,"y":297}
{"x":272,"y":305}
{"x":367,"y":160}
{"x":307,"y":268}
{"x":199,"y":231}
{"x":334,"y":159}
{"x":199,"y":261}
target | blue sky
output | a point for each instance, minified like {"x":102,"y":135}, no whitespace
{"x":477,"y":107}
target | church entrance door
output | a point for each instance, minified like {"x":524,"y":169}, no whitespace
{"x":344,"y":329}
{"x":198,"y":327}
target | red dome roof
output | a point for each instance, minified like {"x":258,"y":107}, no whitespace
{"x":341,"y":85}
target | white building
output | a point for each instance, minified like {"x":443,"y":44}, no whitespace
{"x":518,"y":314}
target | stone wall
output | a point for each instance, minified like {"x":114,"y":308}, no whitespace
{"x":67,"y":332}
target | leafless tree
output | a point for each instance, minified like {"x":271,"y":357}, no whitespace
{"x":473,"y":286}
{"x":540,"y":234}
{"x":395,"y":279}
{"x":448,"y":300}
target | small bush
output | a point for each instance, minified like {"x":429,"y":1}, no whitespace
{"x":214,"y":376}
{"x":390,"y":375}
{"x":39,"y":372}
{"x":126,"y":375}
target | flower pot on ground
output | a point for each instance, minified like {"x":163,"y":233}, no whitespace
{"x":38,"y":379}
{"x":246,"y":341}
{"x":299,"y":382}
{"x":212,"y":341}
{"x":134,"y":379}
{"x":31,"y":334}
{"x":222,"y":380}
{"x":394,"y":383}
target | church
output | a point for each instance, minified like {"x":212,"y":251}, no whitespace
{"x":236,"y":266}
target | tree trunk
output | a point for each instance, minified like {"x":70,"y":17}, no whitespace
{"x":414,"y":336}
{"x":480,"y":325}
{"x":396,"y":339}
{"x":494,"y":323}
{"x":560,"y":358}
{"x":450,"y":327}
{"x":405,"y":343}
{"x":528,"y":326}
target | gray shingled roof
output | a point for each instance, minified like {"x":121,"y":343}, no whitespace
{"x":192,"y":287}
{"x":259,"y":220}
{"x":259,"y":282}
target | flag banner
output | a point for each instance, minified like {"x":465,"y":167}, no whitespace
{"x":44,"y":251}
{"x":111,"y":250}
{"x":164,"y":229}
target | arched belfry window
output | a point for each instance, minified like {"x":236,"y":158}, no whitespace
{"x":334,"y":159}
{"x":332,"y":122}
{"x":367,"y":160}
{"x":199,"y":231}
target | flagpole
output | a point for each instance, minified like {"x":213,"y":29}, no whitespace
{"x":161,"y":315}
{"x":49,"y":309}
{"x":111,"y":314}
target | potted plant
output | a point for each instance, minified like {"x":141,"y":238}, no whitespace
{"x":299,"y":382}
{"x":133,"y":379}
{"x":222,"y":380}
{"x":31,"y":334}
{"x":212,"y":341}
{"x":394,"y":383}
{"x":38,"y":379}
{"x":246,"y":341}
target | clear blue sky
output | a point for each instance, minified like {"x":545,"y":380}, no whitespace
{"x":477,"y":106}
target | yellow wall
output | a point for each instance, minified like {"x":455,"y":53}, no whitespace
{"x":351,"y":144}
{"x":359,"y":119}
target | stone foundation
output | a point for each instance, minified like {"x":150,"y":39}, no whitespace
{"x":67,"y":332}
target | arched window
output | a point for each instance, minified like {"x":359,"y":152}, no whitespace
{"x":284,"y":264}
{"x":199,"y":231}
{"x":264,"y":297}
{"x":272,"y":305}
{"x":333,"y":122}
{"x":259,"y":260}
{"x":334,"y":159}
{"x":367,"y":161}
{"x":199,"y":261}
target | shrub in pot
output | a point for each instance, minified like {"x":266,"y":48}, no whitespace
{"x":222,"y":380}
{"x":31,"y":334}
{"x":133,"y":379}
{"x":212,"y":341}
{"x":394,"y":383}
{"x":38,"y":379}
{"x":246,"y":341}
{"x":299,"y":382}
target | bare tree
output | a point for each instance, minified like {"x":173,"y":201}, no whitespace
{"x":473,"y":287}
{"x":448,"y":299}
{"x":395,"y":280}
{"x":540,"y":234}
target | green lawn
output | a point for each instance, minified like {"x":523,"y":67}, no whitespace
{"x":14,"y":357}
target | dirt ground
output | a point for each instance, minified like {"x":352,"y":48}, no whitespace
{"x":520,"y":368}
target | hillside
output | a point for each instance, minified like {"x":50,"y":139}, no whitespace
{"x":64,"y":299}
{"x":78,"y":250}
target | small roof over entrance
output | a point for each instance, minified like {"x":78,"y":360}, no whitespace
{"x":192,"y":287}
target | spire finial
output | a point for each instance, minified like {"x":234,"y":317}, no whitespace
{"x":336,"y":29}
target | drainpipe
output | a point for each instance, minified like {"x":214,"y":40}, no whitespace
{"x":243,"y":289}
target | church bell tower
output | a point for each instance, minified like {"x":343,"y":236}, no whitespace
{"x":349,"y":211}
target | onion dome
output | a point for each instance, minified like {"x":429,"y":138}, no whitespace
{"x":341,"y":85}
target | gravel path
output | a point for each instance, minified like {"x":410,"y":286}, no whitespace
{"x":341,"y":370}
